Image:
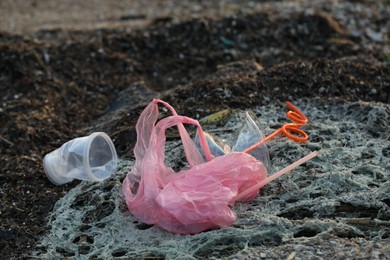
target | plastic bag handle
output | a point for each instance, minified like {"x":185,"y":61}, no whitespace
{"x":168,"y":122}
{"x":193,"y":157}
{"x":144,"y":127}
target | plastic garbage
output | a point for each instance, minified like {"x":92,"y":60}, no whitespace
{"x":195,"y":199}
{"x":191,"y":200}
{"x":247,"y":135}
{"x":90,"y":158}
{"x":250,"y":138}
{"x":290,"y":130}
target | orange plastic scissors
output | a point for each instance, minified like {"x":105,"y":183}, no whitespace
{"x":291,"y":130}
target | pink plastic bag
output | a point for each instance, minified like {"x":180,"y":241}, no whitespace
{"x":192,"y":200}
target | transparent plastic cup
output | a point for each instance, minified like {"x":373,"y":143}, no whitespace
{"x":250,"y":134}
{"x":90,"y":158}
{"x":244,"y":137}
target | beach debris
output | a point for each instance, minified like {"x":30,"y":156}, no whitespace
{"x":195,"y":199}
{"x":250,"y":139}
{"x":246,"y":135}
{"x":91,"y":158}
{"x":290,"y":130}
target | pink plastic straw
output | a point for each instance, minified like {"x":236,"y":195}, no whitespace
{"x":264,"y":182}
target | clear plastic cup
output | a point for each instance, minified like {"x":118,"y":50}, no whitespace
{"x":90,"y":158}
{"x":247,"y":134}
{"x":250,"y":134}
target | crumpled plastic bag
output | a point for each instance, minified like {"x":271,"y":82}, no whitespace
{"x":191,"y":200}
